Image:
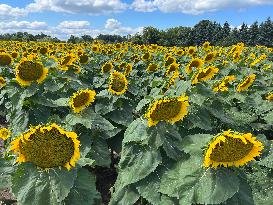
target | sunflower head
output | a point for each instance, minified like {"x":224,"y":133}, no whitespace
{"x":146,"y":56}
{"x":169,"y":60}
{"x":194,"y":63}
{"x":191,"y":50}
{"x":152,"y":67}
{"x":82,"y":99}
{"x":128,"y":69}
{"x":43,"y":50}
{"x":223,"y":84}
{"x":206,"y":45}
{"x":107,"y":67}
{"x":28,"y":71}
{"x":83,"y":58}
{"x":209,"y":57}
{"x":47,"y":146}
{"x":172,"y":68}
{"x":204,"y":74}
{"x":4,"y":133}
{"x":232,"y":149}
{"x":167,"y":109}
{"x":247,"y":82}
{"x":3,"y":82}
{"x":5,"y":59}
{"x":118,"y":83}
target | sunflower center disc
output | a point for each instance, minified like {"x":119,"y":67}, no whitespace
{"x":166,"y":110}
{"x":49,"y":149}
{"x":231,"y":150}
{"x":5,"y":60}
{"x":30,"y":71}
{"x":118,"y":83}
{"x":81,"y":99}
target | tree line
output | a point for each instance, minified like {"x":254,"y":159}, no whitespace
{"x":205,"y":30}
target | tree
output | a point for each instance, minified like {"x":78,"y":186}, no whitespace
{"x":266,"y":33}
{"x":151,"y":35}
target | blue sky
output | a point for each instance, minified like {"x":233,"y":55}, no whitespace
{"x":65,"y":17}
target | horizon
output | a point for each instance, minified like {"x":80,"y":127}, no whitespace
{"x":122,"y":17}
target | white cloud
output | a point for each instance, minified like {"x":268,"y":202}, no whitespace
{"x":22,"y":25}
{"x":194,"y":7}
{"x":144,"y":6}
{"x":74,"y":24}
{"x":66,"y":28}
{"x":92,"y":7}
{"x":112,"y":24}
{"x":7,"y":12}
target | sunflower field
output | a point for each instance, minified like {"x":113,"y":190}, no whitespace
{"x":178,"y":125}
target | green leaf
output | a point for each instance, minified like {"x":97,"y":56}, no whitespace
{"x":136,"y":131}
{"x":124,"y":196}
{"x":6,"y":170}
{"x":100,"y":153}
{"x":216,"y":186}
{"x":193,"y":144}
{"x":84,"y":190}
{"x":85,"y":162}
{"x":244,"y":195}
{"x":269,"y":117}
{"x":181,"y":178}
{"x":41,"y":188}
{"x":90,"y":120}
{"x":136,"y":163}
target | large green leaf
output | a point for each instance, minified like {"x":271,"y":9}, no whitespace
{"x":124,"y":196}
{"x":216,"y":186}
{"x":243,"y":196}
{"x":90,"y":120}
{"x":136,"y":131}
{"x":100,"y":152}
{"x":193,"y":144}
{"x":5,"y":174}
{"x":84,"y":190}
{"x":31,"y":186}
{"x":136,"y":163}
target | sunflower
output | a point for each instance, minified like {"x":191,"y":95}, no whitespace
{"x":83,"y":59}
{"x":146,"y":56}
{"x":209,"y":57}
{"x":191,"y":50}
{"x":2,"y":82}
{"x":169,"y":60}
{"x":167,"y":109}
{"x":81,"y":99}
{"x":206,"y":45}
{"x":28,"y":71}
{"x":47,"y":146}
{"x":128,"y":69}
{"x":118,"y":83}
{"x":152,"y":67}
{"x":222,"y":85}
{"x":232,"y":149}
{"x":204,"y":74}
{"x":43,"y":50}
{"x":194,"y":63}
{"x":95,"y":48}
{"x":173,"y":67}
{"x":4,"y":133}
{"x":65,"y":61}
{"x":179,"y":52}
{"x":248,"y":81}
{"x":270,"y":97}
{"x":14,"y":54}
{"x":174,"y":76}
{"x":5,"y":59}
{"x":107,"y":67}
